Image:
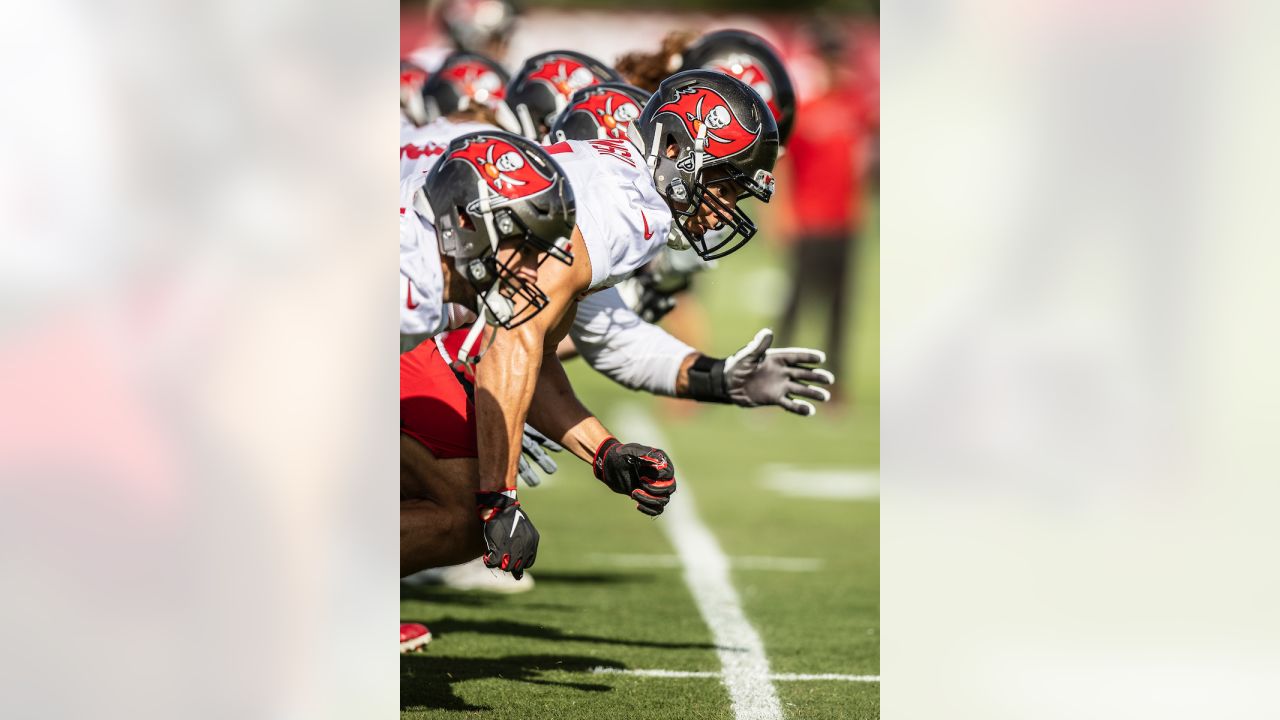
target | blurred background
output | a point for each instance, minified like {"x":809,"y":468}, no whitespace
{"x":793,"y":501}
{"x":1079,"y":385}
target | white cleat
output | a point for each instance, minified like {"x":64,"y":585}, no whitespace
{"x":472,"y":576}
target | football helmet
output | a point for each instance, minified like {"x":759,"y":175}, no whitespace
{"x":597,"y":112}
{"x":755,"y":62}
{"x":412,"y":79}
{"x":476,"y":25}
{"x":544,"y":84}
{"x":704,"y":129}
{"x":493,"y":187}
{"x":466,"y":79}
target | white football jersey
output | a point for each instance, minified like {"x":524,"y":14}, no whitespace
{"x":620,"y":214}
{"x":420,"y":147}
{"x":421,"y":279}
{"x":422,"y":307}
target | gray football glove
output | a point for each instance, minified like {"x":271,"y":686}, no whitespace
{"x":757,"y":375}
{"x":534,"y":446}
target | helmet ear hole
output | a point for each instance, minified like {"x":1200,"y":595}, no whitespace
{"x":464,"y":220}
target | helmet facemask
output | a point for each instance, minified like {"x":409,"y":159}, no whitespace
{"x":504,"y":298}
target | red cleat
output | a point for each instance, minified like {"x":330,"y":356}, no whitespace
{"x":413,"y":636}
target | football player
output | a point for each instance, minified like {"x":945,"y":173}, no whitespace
{"x":496,"y":206}
{"x":464,"y":96}
{"x":542,"y":87}
{"x":641,"y":356}
{"x":746,"y":56}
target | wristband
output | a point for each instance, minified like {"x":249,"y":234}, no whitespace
{"x":489,"y":504}
{"x":597,"y":462}
{"x":706,"y":380}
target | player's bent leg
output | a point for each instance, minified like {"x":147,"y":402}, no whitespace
{"x":438,"y":520}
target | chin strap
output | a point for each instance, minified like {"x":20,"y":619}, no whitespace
{"x":465,"y":362}
{"x":699,"y":146}
{"x":493,"y":306}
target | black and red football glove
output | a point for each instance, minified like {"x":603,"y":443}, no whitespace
{"x":644,"y":473}
{"x":509,"y":535}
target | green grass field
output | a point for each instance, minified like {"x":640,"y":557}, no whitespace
{"x":532,"y":655}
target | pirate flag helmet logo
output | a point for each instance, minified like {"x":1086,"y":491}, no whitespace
{"x":599,"y":112}
{"x":475,"y":80}
{"x":564,"y":74}
{"x":706,"y":114}
{"x":745,"y":69}
{"x":503,"y":166}
{"x":494,"y":188}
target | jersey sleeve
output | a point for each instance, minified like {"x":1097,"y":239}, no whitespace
{"x":628,"y":350}
{"x":421,"y":279}
{"x":621,"y":217}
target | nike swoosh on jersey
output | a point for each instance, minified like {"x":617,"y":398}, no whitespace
{"x":647,"y":232}
{"x":408,"y":299}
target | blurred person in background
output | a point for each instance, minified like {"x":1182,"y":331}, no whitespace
{"x":653,"y":292}
{"x":827,"y":156}
{"x":478,"y":26}
{"x":482,"y":27}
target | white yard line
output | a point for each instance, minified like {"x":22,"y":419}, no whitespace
{"x":739,"y":562}
{"x":745,"y":673}
{"x":821,"y":484}
{"x":782,"y":677}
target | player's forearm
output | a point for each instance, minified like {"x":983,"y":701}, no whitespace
{"x":505,"y":381}
{"x":702,"y":378}
{"x":682,"y":376}
{"x":557,"y":413}
{"x":630,"y":351}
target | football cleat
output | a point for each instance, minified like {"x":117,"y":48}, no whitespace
{"x":413,"y":636}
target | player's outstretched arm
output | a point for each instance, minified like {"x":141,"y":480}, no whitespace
{"x":642,"y":356}
{"x":757,"y":375}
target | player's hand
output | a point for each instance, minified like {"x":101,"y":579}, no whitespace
{"x":644,"y":473}
{"x":756,"y":375}
{"x":534,"y":447}
{"x":509,"y":535}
